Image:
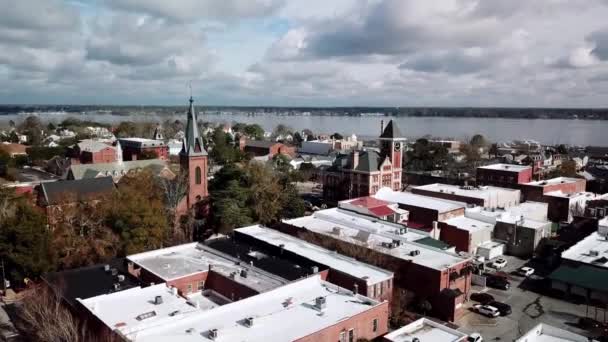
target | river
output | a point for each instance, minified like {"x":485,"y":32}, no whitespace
{"x":572,"y":132}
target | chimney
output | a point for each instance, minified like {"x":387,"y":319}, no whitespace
{"x":356,"y":291}
{"x":320,"y":303}
{"x":381,"y":127}
{"x":355,"y":159}
{"x":158,"y":300}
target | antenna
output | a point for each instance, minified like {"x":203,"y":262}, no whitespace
{"x":190,"y":87}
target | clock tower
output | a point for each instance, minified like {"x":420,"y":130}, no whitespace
{"x":392,"y":145}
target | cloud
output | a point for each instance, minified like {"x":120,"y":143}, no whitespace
{"x":456,"y":62}
{"x":189,"y":10}
{"x":600,"y":39}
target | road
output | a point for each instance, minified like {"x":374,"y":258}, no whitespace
{"x":529,"y":309}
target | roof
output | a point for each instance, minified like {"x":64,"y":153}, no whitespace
{"x":371,"y":233}
{"x":429,"y":241}
{"x":141,"y":142}
{"x":391,"y":131}
{"x":482,"y":192}
{"x":90,"y":145}
{"x":591,"y":250}
{"x":575,"y":195}
{"x":506,"y":167}
{"x":555,"y":181}
{"x":315,"y":147}
{"x":407,"y":198}
{"x":284,"y":314}
{"x":369,"y":161}
{"x":76,"y":190}
{"x":115,"y":169}
{"x":333,"y":260}
{"x":261,"y":143}
{"x":13,"y":148}
{"x":469,"y":224}
{"x":584,"y":276}
{"x":368,"y":202}
{"x":180,"y":261}
{"x":125,"y":310}
{"x":547,"y":333}
{"x":192,"y":144}
{"x":425,"y":330}
{"x":87,"y":282}
{"x":382,"y":211}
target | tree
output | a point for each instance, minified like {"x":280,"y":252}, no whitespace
{"x":254,"y":131}
{"x":25,"y":241}
{"x":51,"y":127}
{"x":281,"y":130}
{"x":126,"y":129}
{"x":297,"y":139}
{"x":567,"y":169}
{"x":562,"y":149}
{"x":223,"y":150}
{"x":478,"y":141}
{"x":148,"y":154}
{"x":471,"y":153}
{"x":337,"y":136}
{"x":309,"y":134}
{"x":32,"y":127}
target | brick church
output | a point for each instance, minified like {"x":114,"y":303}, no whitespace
{"x":194,"y":164}
{"x":363,"y":173}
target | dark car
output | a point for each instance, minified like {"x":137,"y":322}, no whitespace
{"x":504,"y":309}
{"x":498,"y":283}
{"x":589,"y":323}
{"x":481,"y":297}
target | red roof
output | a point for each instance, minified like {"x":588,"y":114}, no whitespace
{"x":382,"y":211}
{"x":368,"y":202}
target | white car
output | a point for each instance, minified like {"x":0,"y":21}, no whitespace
{"x":475,"y":337}
{"x":526,"y":271}
{"x":487,"y":310}
{"x":499,"y":263}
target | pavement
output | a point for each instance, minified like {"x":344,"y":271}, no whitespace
{"x":529,"y":309}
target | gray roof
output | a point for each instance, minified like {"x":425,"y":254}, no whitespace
{"x":391,"y":131}
{"x":81,"y":171}
{"x":79,"y":190}
{"x":192,"y":144}
{"x":369,"y":161}
{"x":260,"y":143}
{"x":90,"y":145}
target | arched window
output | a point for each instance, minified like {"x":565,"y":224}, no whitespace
{"x":197,"y":175}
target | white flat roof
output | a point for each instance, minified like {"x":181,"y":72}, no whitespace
{"x":426,"y":331}
{"x":506,"y":167}
{"x":584,"y":251}
{"x":179,"y":261}
{"x":124,"y":310}
{"x":575,"y":195}
{"x":343,"y":225}
{"x":555,"y":181}
{"x":547,"y":333}
{"x":318,"y":254}
{"x":469,"y":224}
{"x":482,"y":192}
{"x":283,"y":314}
{"x":408,"y":198}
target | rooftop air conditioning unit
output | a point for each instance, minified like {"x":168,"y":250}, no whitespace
{"x":320,"y":303}
{"x":396,"y":243}
{"x":244,"y":273}
{"x":415,"y":252}
{"x":116,"y":286}
{"x":121,"y":278}
{"x":249,"y":321}
{"x":114,"y":271}
{"x":106,"y":268}
{"x":315,"y":269}
{"x":158,"y":300}
{"x":594,"y":253}
{"x":212,"y":334}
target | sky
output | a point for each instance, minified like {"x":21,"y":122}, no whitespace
{"x":496,"y":53}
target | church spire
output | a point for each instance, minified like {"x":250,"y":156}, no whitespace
{"x":192,"y":144}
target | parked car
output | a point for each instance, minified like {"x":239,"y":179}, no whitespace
{"x":497,"y":282}
{"x":503,"y":308}
{"x":526,"y":271}
{"x":589,"y":323}
{"x":499,"y":263}
{"x":486,"y":310}
{"x":481,"y":297}
{"x":475,"y":337}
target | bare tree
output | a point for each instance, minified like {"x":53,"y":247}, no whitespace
{"x":174,"y":191}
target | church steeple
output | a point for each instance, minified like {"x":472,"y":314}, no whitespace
{"x":192,"y":144}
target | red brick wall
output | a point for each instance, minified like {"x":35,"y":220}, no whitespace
{"x":535,"y":193}
{"x":228,"y":287}
{"x":509,"y":178}
{"x":456,"y":237}
{"x":361,"y":323}
{"x":182,"y":283}
{"x":195,"y":190}
{"x":283,"y":149}
{"x":559,"y":208}
{"x":448,"y":196}
{"x":348,"y":282}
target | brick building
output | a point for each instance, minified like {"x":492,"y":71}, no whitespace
{"x":363,"y":173}
{"x":374,"y":207}
{"x":423,"y":210}
{"x":134,"y":148}
{"x":91,"y":151}
{"x":535,"y":191}
{"x":504,"y":175}
{"x":484,"y":196}
{"x":466,"y":234}
{"x":564,"y":206}
{"x":260,"y":148}
{"x":425,"y":273}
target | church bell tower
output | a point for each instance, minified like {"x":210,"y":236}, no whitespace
{"x":194,"y":160}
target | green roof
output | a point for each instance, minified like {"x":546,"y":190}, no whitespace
{"x":584,"y":276}
{"x":429,"y":241}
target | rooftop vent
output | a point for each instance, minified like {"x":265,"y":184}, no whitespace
{"x":315,"y":269}
{"x":106,"y":268}
{"x":415,"y":252}
{"x":212,"y":334}
{"x":145,"y":315}
{"x":114,"y":271}
{"x":244,"y":273}
{"x":121,"y":278}
{"x":594,"y":253}
{"x":116,"y":286}
{"x":173,"y":313}
{"x":158,"y":300}
{"x":320,"y":303}
{"x":249,"y":321}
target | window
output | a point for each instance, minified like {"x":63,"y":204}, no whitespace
{"x":201,"y":285}
{"x":373,"y":291}
{"x":197,"y":175}
{"x":342,"y":336}
{"x":351,"y":335}
{"x":189,"y":288}
{"x":381,"y":288}
{"x":375,"y":325}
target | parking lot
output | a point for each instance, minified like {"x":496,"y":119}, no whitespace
{"x":528,"y":309}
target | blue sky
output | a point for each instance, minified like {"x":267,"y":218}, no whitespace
{"x":306,"y":52}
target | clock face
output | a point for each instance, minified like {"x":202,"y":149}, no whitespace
{"x":397,"y":146}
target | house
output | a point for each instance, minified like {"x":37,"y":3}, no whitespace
{"x":260,"y":148}
{"x":504,"y":175}
{"x":535,"y":191}
{"x":90,"y":151}
{"x":363,"y":173}
{"x":118,"y":169}
{"x":138,"y":148}
{"x":465,"y":233}
{"x":426,"y":272}
{"x":484,"y":196}
{"x":564,"y":206}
